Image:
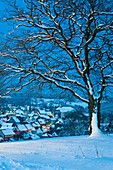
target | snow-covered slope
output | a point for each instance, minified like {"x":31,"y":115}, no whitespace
{"x":69,"y":153}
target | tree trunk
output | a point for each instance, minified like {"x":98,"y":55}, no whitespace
{"x":98,"y":113}
{"x":94,"y":108}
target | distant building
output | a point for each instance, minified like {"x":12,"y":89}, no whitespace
{"x":61,"y":112}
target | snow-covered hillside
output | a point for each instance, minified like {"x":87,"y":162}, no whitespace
{"x":69,"y":153}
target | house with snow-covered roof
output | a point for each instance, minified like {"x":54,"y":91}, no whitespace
{"x":19,"y":111}
{"x":45,"y":135}
{"x":39,"y":131}
{"x":29,"y":127}
{"x":41,"y":121}
{"x":14,"y":120}
{"x":22,"y":118}
{"x":64,"y":111}
{"x":7,"y":126}
{"x":6,"y":134}
{"x":36,"y":125}
{"x":44,"y":112}
{"x":4,"y":119}
{"x":22,"y":128}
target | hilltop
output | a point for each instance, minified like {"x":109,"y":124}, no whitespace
{"x":68,"y":153}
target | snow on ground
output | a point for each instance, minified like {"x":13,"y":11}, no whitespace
{"x":67,"y":153}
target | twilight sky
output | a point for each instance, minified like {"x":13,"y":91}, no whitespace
{"x":4,"y":27}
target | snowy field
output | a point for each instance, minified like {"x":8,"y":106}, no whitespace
{"x":69,"y":153}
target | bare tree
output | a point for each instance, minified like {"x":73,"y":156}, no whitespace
{"x":67,"y":43}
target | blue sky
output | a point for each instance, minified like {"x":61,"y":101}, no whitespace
{"x":4,"y":27}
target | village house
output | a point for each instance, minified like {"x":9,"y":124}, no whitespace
{"x":64,"y":111}
{"x":31,"y":118}
{"x":34,"y":136}
{"x":57,"y":113}
{"x":6,"y":134}
{"x":19,"y":111}
{"x":21,"y":128}
{"x":29,"y":127}
{"x":14,"y":120}
{"x":21,"y":118}
{"x":42,"y":122}
{"x":33,"y":131}
{"x":6,"y":126}
{"x":45,"y":112}
{"x":45,"y":135}
{"x":40,"y":131}
{"x":36,"y":125}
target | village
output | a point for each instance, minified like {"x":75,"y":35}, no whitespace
{"x":44,"y":118}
